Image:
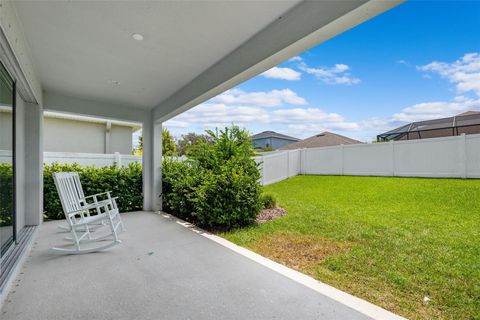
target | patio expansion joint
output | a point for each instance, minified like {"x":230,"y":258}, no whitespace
{"x":369,"y":309}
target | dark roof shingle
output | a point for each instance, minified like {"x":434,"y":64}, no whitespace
{"x":272,"y":134}
{"x":468,"y":118}
{"x":324,"y":139}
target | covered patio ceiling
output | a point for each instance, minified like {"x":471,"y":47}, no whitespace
{"x":190,"y":51}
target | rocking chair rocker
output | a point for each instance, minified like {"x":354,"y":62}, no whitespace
{"x":85,"y":214}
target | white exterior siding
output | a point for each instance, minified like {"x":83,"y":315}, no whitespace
{"x":121,"y":139}
{"x":66,"y":135}
{"x":63,"y":135}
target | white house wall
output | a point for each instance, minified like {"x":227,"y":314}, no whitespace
{"x":121,"y":139}
{"x":62,"y":135}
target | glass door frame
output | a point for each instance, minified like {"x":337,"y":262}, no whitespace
{"x":14,"y":171}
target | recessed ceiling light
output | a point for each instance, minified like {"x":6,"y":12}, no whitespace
{"x":137,"y":36}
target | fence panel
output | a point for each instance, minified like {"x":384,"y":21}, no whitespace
{"x":439,"y":157}
{"x":368,"y":159}
{"x":326,"y":160}
{"x":457,"y":156}
{"x":275,"y":168}
{"x":294,"y":162}
{"x":472,"y":153}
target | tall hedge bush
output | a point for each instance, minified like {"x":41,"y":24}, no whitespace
{"x":217,"y":187}
{"x":124,"y":182}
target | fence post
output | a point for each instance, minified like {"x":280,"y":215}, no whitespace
{"x":463,"y":156}
{"x":393,"y":157}
{"x":118,"y":159}
{"x":342,"y":162}
{"x":288,"y":163}
{"x":303,"y":156}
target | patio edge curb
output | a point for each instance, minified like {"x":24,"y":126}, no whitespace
{"x":367,"y":308}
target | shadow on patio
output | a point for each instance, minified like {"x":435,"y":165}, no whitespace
{"x":160,"y":271}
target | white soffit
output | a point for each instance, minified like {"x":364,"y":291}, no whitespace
{"x":75,"y":117}
{"x":86,"y":49}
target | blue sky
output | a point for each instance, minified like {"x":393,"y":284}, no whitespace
{"x":420,"y":60}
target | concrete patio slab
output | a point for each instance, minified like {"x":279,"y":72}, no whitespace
{"x":160,"y":271}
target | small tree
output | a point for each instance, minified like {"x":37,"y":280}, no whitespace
{"x":217,"y":187}
{"x":228,"y":144}
{"x":190,"y":139}
{"x":168,"y":144}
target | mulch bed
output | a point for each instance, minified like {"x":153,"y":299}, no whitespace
{"x":270,"y":214}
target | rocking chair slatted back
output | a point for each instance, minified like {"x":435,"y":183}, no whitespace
{"x":70,"y":190}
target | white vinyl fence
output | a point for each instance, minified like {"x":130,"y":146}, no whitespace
{"x":457,"y":157}
{"x":279,"y":166}
{"x":84,"y":159}
{"x":89,"y":159}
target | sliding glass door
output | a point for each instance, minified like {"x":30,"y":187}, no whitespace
{"x":7,"y":162}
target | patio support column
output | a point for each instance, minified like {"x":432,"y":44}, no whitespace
{"x":33,"y":164}
{"x":152,"y":165}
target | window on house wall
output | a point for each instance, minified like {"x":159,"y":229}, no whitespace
{"x":7,"y":162}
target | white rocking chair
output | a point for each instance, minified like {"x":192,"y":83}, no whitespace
{"x":82,"y":216}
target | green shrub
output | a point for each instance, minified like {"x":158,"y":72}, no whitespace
{"x":180,"y":181}
{"x":6,"y":194}
{"x":269,"y":201}
{"x":124,"y":182}
{"x":217,"y":187}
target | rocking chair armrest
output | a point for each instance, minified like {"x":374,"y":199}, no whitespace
{"x":99,"y":202}
{"x":98,"y":194}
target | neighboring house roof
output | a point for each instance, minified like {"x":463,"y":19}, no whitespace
{"x":465,"y":119}
{"x":468,"y":113}
{"x":324,"y":139}
{"x":272,"y":134}
{"x":48,"y":114}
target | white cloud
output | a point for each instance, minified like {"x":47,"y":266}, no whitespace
{"x":464,"y":72}
{"x":439,"y":109}
{"x":295,"y":59}
{"x":219,"y":113}
{"x":338,"y":74}
{"x":176,"y":124}
{"x":301,"y":121}
{"x":282,"y":73}
{"x":274,"y":98}
{"x":302,"y":115}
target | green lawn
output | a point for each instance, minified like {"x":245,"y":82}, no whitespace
{"x":391,"y":241}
